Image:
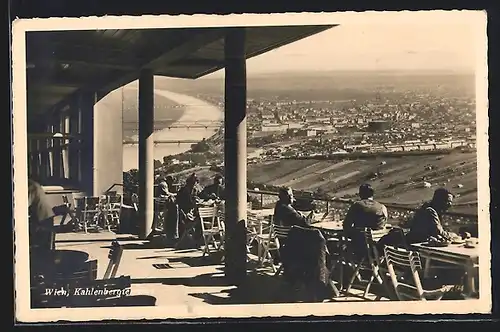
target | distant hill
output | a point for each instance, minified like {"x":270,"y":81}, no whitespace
{"x":398,"y":180}
{"x":329,"y":85}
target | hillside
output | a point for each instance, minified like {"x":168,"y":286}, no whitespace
{"x":399,"y":180}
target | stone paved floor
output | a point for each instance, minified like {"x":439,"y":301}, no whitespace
{"x":180,"y":277}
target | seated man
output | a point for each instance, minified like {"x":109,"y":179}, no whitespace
{"x":215,"y":190}
{"x":285,"y":214}
{"x":426,"y":222}
{"x":366,"y":213}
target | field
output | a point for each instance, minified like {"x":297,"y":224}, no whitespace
{"x":396,"y":180}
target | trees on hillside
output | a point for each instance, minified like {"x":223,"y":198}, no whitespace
{"x":202,"y":146}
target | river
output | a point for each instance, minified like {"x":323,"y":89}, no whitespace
{"x":195,"y":110}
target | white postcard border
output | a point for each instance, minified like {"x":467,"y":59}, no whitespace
{"x":22,"y":303}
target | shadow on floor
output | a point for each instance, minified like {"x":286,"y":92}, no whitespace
{"x":196,"y":261}
{"x":155,"y":244}
{"x":155,"y":257}
{"x":259,"y":289}
{"x":202,"y":280}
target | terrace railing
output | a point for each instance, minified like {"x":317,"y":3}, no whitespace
{"x":397,"y":214}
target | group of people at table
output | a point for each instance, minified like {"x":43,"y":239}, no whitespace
{"x":180,"y":213}
{"x":180,"y":208}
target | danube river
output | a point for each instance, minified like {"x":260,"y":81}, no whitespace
{"x":195,"y":110}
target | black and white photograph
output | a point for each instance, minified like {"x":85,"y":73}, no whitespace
{"x":204,"y":166}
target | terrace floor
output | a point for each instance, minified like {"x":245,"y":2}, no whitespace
{"x":182,"y":277}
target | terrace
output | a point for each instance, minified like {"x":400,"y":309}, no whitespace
{"x":163,"y":275}
{"x":62,"y":103}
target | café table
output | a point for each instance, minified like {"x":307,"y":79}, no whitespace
{"x":456,"y":254}
{"x":328,"y":225}
{"x":262,"y":213}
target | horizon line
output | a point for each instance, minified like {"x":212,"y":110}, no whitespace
{"x":323,"y":72}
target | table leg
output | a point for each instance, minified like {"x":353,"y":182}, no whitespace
{"x":470,"y":278}
{"x":427,"y":267}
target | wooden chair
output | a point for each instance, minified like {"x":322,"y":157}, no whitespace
{"x":113,"y":210}
{"x":209,"y":227}
{"x":90,"y":210}
{"x":221,"y":225}
{"x":269,"y":241}
{"x":403,"y":267}
{"x":281,"y":233}
{"x":254,"y":225}
{"x":70,"y":211}
{"x":371,"y":260}
{"x":115,"y":257}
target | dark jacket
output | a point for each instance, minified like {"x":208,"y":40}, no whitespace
{"x":187,"y":198}
{"x":426,"y":223}
{"x":286,"y":215}
{"x":214,"y":190}
{"x":366,"y":213}
{"x":305,"y":260}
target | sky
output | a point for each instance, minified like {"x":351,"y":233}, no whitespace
{"x":416,"y":45}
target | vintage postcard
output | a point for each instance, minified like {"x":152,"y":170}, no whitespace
{"x":279,"y":165}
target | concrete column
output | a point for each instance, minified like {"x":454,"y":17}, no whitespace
{"x":74,"y":144}
{"x":146,"y":158}
{"x":87,"y":100}
{"x":235,"y":154}
{"x":57,"y":150}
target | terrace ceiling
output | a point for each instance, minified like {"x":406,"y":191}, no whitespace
{"x":60,"y":63}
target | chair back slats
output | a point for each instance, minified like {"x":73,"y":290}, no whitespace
{"x":116,"y":199}
{"x":402,"y":260}
{"x":91,"y":203}
{"x":403,"y":257}
{"x":206,"y":212}
{"x":281,"y":232}
{"x":373,"y":236}
{"x":207,"y":216}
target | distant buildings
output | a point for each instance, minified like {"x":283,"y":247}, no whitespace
{"x":378,"y":126}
